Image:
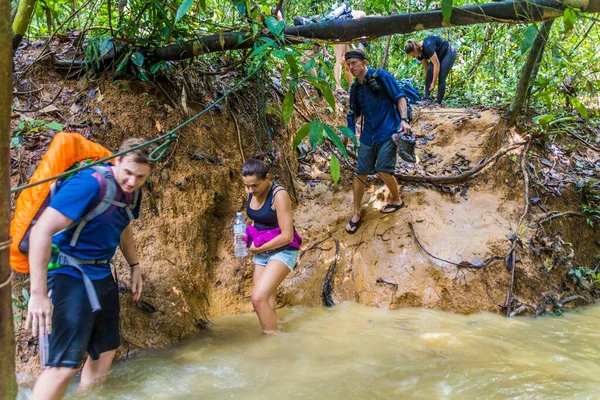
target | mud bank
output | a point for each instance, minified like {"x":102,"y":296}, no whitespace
{"x":184,"y":238}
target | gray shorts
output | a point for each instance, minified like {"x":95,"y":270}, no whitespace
{"x":377,"y":158}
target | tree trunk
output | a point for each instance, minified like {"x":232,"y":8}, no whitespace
{"x":534,"y":72}
{"x":8,"y":385}
{"x":526,"y":73}
{"x":21,"y":21}
{"x":48,"y":20}
{"x":484,"y":48}
{"x":508,"y":12}
{"x":386,"y":54}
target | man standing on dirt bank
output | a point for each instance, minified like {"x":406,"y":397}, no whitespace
{"x":376,"y":96}
{"x":60,"y":303}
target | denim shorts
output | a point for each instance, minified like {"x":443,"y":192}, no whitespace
{"x":377,"y":158}
{"x":288,"y":257}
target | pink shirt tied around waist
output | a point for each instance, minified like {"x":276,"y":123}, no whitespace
{"x":259,"y":238}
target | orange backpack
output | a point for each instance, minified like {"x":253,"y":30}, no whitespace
{"x":66,"y":150}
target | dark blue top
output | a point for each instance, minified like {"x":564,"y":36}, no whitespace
{"x":265,"y":217}
{"x":434,"y":45}
{"x":101,"y":236}
{"x":379,"y":109}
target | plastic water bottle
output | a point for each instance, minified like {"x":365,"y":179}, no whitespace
{"x":239,"y":232}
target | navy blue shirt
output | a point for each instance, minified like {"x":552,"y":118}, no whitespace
{"x":434,"y":45}
{"x":100,"y":236}
{"x":379,"y":109}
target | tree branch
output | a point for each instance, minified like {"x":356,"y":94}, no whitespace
{"x":508,"y":12}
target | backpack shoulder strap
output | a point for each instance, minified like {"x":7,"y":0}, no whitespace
{"x":108,"y":191}
{"x":353,"y":99}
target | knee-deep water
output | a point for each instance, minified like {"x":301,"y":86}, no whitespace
{"x":355,"y":352}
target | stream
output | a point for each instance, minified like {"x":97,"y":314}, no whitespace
{"x":356,"y":352}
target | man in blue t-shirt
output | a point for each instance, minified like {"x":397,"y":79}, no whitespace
{"x":61,"y":300}
{"x":376,"y":96}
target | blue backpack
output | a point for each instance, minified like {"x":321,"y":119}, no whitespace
{"x":409,"y":91}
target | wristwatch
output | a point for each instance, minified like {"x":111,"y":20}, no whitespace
{"x":403,"y":119}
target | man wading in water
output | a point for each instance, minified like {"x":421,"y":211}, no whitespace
{"x":60,"y":302}
{"x":376,"y":96}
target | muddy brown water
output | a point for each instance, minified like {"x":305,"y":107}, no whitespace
{"x":357,"y":352}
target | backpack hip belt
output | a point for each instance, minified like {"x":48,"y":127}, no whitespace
{"x":64,"y":260}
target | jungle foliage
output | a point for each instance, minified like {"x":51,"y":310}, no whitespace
{"x":124,"y":32}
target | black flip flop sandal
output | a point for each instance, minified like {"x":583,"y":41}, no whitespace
{"x":354,"y":226}
{"x":393,"y":207}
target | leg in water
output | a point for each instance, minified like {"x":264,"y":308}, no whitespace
{"x":266,"y":280}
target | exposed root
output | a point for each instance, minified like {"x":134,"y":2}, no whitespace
{"x":328,"y":285}
{"x":463,"y":264}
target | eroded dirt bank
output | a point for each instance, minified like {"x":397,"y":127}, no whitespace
{"x":184,"y":237}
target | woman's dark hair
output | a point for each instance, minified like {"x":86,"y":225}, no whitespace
{"x":255,"y":167}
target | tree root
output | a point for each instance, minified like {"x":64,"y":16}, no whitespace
{"x":313,"y":247}
{"x":328,"y":285}
{"x":511,"y":257}
{"x":564,"y":214}
{"x":462,"y":264}
{"x":461,"y":177}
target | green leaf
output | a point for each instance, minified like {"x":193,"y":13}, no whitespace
{"x":528,"y":38}
{"x":106,"y":45}
{"x":137,"y":58}
{"x":143,"y":75}
{"x":183,"y":9}
{"x":569,"y":19}
{"x":334,"y":165}
{"x":330,"y":132}
{"x":348,"y":133}
{"x":279,"y":54}
{"x":288,"y":107}
{"x":328,"y":95}
{"x":272,"y":110}
{"x":323,"y":87}
{"x":165,"y":32}
{"x":293,"y":64}
{"x":543,"y":120}
{"x":157,"y":67}
{"x":25,"y":294}
{"x":301,"y":134}
{"x":263,"y":48}
{"x":55,"y":126}
{"x":315,"y":133}
{"x":123,"y":63}
{"x":446,"y":11}
{"x":274,"y":25}
{"x":580,"y":108}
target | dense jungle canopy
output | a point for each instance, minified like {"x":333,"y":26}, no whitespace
{"x":146,"y":37}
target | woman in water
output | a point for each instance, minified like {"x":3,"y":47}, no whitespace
{"x":272,"y":239}
{"x":441,"y":56}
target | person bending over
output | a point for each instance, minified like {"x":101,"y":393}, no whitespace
{"x":437,"y":56}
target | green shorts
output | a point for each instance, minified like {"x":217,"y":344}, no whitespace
{"x":377,"y":158}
